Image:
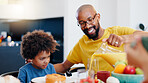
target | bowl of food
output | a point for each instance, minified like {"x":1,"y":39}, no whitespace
{"x":127,"y":73}
{"x":128,"y":78}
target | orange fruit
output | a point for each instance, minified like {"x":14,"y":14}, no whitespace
{"x":0,"y":40}
{"x":119,"y":68}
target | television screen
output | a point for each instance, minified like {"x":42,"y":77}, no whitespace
{"x":16,"y":29}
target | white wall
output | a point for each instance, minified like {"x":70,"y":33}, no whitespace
{"x":132,"y":12}
{"x":33,"y":9}
{"x":139,"y":13}
{"x":43,"y":8}
{"x":11,"y":11}
{"x":108,"y":11}
{"x":123,"y":13}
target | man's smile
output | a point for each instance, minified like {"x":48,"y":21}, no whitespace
{"x":91,"y":31}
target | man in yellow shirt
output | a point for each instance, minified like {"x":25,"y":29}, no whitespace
{"x":88,"y":19}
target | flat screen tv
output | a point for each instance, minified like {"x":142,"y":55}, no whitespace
{"x":16,"y":29}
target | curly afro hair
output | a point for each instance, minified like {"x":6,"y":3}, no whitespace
{"x":36,"y":42}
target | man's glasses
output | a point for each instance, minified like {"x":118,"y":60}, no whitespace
{"x":82,"y":24}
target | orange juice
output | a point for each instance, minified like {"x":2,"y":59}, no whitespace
{"x":110,"y":58}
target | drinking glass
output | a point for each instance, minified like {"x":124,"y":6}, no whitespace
{"x":93,"y":67}
{"x":82,"y":74}
{"x":94,"y":64}
{"x":4,"y":34}
{"x":103,"y":75}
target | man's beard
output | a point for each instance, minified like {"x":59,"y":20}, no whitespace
{"x":94,"y":36}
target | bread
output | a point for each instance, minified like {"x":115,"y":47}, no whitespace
{"x":9,"y":79}
{"x":55,"y":78}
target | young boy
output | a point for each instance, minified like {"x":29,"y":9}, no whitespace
{"x":36,"y":47}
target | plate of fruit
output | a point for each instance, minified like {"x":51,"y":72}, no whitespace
{"x":127,"y":73}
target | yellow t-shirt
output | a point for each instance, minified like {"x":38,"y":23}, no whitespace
{"x":86,"y":47}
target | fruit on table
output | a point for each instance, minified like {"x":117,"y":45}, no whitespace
{"x":87,"y":80}
{"x":96,"y":80}
{"x":129,"y":70}
{"x":0,"y":40}
{"x":139,"y":71}
{"x":120,"y":62}
{"x":120,"y":68}
{"x":90,"y":80}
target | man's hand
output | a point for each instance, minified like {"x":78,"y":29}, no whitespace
{"x":114,"y":40}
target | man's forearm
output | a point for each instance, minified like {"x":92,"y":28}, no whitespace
{"x":130,"y":38}
{"x":60,"y":68}
{"x":140,"y":33}
{"x":127,"y":38}
{"x":63,"y":67}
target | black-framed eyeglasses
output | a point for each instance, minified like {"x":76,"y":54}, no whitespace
{"x":82,"y":24}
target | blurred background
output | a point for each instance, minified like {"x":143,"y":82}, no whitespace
{"x":58,"y":18}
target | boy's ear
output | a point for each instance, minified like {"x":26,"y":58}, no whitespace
{"x":28,"y":60}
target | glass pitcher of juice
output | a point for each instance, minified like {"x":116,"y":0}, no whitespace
{"x":107,"y":55}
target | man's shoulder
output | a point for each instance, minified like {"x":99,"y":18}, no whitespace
{"x":114,"y":28}
{"x":83,"y":38}
{"x":117,"y":27}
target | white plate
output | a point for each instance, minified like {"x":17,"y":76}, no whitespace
{"x":43,"y":80}
{"x":39,"y":80}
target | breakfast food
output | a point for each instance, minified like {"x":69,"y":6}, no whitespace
{"x":139,"y":71}
{"x":55,"y":78}
{"x":90,"y":80}
{"x":9,"y":79}
{"x":122,"y":68}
